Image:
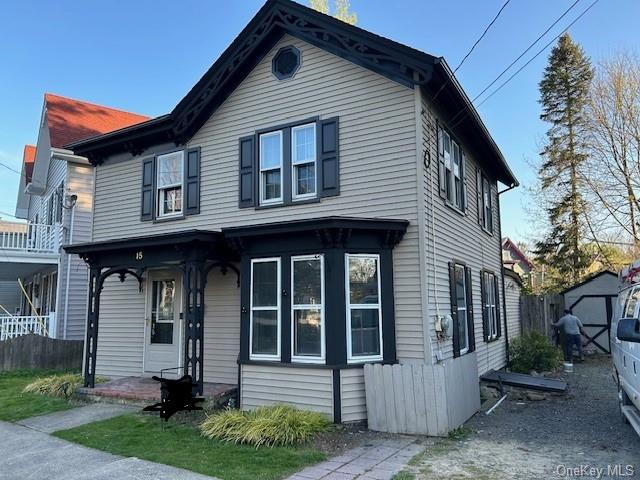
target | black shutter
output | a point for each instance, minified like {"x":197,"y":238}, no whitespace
{"x":454,"y":309}
{"x":192,"y":181}
{"x":495,"y":284}
{"x":441,"y":169}
{"x":479,"y":195}
{"x":485,"y":317}
{"x":148,"y":189}
{"x":463,"y":179}
{"x":247,"y":179}
{"x":470,"y":324}
{"x":328,"y":156}
{"x":490,"y":219}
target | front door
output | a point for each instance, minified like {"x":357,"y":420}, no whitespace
{"x":163,"y":325}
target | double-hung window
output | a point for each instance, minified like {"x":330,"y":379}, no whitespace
{"x":169,"y":184}
{"x":461,"y":308}
{"x":265,"y":318}
{"x":364,"y":308}
{"x":303,"y":161}
{"x":451,"y":170}
{"x":485,"y":203}
{"x":271,"y":167}
{"x":307,"y":308}
{"x":490,"y":305}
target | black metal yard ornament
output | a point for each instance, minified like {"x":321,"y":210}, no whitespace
{"x":175,"y":396}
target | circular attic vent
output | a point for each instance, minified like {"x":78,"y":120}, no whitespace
{"x":286,"y":62}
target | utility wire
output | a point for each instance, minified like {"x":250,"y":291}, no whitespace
{"x":463,"y":111}
{"x":12,"y":169}
{"x":473,"y":46}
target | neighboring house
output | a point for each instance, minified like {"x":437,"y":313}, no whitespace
{"x":593,"y":301}
{"x":55,"y":196}
{"x":307,"y":204}
{"x":514,"y":259}
{"x":9,"y":290}
{"x":512,"y":292}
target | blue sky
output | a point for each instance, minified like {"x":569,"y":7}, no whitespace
{"x":144,"y":55}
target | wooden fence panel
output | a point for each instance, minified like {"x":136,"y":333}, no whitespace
{"x":35,"y":351}
{"x":540,"y":311}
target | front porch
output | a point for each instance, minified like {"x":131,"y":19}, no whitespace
{"x":144,"y":389}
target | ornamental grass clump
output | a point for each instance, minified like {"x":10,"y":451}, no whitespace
{"x":533,"y":351}
{"x":61,"y":386}
{"x":271,"y":426}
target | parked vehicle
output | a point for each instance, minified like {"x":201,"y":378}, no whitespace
{"x":625,"y":344}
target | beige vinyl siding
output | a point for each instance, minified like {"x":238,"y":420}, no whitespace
{"x":352,"y":395}
{"x":79,"y":181}
{"x":459,"y":237}
{"x":512,"y":300}
{"x":221,"y":328}
{"x":121,"y":329}
{"x":377,"y":164}
{"x":304,"y":388}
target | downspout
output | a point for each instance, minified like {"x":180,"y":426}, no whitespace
{"x":504,"y":302}
{"x":67,"y":279}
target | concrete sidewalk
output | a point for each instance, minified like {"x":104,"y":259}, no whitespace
{"x":27,"y":453}
{"x":75,"y":417}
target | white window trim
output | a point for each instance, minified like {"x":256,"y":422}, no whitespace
{"x":321,"y":307}
{"x":465,"y":309}
{"x":490,"y":306}
{"x":259,"y":356}
{"x":369,"y":358}
{"x":294,"y":164}
{"x":160,"y":190}
{"x":263,"y":189}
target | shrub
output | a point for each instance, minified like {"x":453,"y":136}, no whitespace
{"x":61,"y":385}
{"x":533,"y":351}
{"x":265,"y":426}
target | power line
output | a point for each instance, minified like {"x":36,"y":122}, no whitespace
{"x":482,"y":36}
{"x":473,"y":46}
{"x":463,"y":111}
{"x":526,"y":50}
{"x":10,"y":168}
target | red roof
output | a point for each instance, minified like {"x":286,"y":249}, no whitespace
{"x":29,"y":158}
{"x":72,"y":120}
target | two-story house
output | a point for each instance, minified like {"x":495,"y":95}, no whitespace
{"x":55,"y":196}
{"x":322,"y":198}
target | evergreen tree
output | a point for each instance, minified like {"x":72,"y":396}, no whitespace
{"x":563,"y":94}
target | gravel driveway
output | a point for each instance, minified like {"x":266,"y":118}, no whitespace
{"x":544,"y":439}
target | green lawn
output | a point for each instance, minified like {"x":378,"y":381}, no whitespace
{"x":15,"y":405}
{"x":181,"y":445}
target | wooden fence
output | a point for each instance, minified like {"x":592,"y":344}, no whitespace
{"x":35,"y":351}
{"x":422,"y":399}
{"x":540,"y":311}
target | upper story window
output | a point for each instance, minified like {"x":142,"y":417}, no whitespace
{"x":485,"y":201}
{"x":303,"y":161}
{"x":271,"y":167}
{"x":364,"y":308}
{"x":286,"y":62}
{"x":451,"y":170}
{"x":169,"y":182}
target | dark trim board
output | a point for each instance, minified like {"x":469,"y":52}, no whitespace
{"x":337,"y":397}
{"x":399,"y":63}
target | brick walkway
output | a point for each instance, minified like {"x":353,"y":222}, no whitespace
{"x":377,"y":460}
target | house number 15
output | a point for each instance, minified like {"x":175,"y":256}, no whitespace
{"x":139,"y":255}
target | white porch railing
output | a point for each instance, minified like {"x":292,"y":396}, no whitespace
{"x":36,"y":238}
{"x":15,"y":326}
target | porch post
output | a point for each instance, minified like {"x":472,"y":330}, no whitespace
{"x":194,"y":284}
{"x":91,"y":343}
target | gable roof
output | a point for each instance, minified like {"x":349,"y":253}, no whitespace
{"x":508,"y":244}
{"x":71,"y":120}
{"x":589,"y":279}
{"x":28,"y":160}
{"x":403,"y":64}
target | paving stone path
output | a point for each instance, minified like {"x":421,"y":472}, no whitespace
{"x":376,"y":460}
{"x":52,"y":422}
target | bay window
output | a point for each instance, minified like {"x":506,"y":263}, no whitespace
{"x":170,"y":169}
{"x":307,"y":308}
{"x":364,"y":308}
{"x":265,"y":309}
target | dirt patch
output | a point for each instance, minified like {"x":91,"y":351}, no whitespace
{"x":543,"y":439}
